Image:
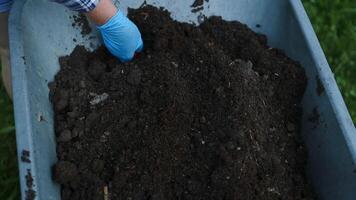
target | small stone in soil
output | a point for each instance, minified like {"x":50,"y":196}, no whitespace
{"x":99,"y":98}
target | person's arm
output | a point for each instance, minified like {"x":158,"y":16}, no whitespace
{"x":5,"y":5}
{"x":121,"y":36}
{"x":102,"y":12}
{"x":83,"y":6}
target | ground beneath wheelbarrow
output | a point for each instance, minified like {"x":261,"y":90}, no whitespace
{"x":208,"y":112}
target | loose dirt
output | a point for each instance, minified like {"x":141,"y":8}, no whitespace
{"x":207,"y":112}
{"x":82,"y":23}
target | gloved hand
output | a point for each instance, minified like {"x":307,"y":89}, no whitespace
{"x":121,"y":36}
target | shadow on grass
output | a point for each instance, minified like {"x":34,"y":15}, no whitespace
{"x":9,"y":182}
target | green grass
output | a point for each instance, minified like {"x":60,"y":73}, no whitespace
{"x":334,"y":22}
{"x":9,"y":185}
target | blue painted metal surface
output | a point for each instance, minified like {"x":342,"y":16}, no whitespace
{"x":41,"y":31}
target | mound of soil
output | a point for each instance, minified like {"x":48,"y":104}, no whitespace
{"x":207,"y":112}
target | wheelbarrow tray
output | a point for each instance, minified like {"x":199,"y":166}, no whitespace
{"x":41,"y":31}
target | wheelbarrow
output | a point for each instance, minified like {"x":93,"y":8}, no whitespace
{"x":41,"y":31}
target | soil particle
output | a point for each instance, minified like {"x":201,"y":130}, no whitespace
{"x":134,"y":76}
{"x":96,"y":69}
{"x":98,"y":166}
{"x":204,"y":113}
{"x":30,"y":194}
{"x":99,"y":98}
{"x":25,"y":156}
{"x":24,"y":60}
{"x":197,"y":3}
{"x":82,"y":22}
{"x":65,"y":172}
{"x":63,"y":100}
{"x":290,"y":127}
{"x":64,"y":136}
{"x":195,"y":10}
{"x":319,"y":86}
{"x":314,"y":117}
{"x":40,"y":117}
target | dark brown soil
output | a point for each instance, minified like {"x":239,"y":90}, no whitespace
{"x":30,"y":194}
{"x":319,"y":86}
{"x":208,"y":112}
{"x":197,"y":3}
{"x":82,"y":23}
{"x":25,"y":156}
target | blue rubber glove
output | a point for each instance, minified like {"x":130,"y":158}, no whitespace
{"x":122,"y":37}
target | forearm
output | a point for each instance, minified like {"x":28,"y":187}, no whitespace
{"x":102,"y":12}
{"x":5,"y":5}
{"x":79,"y":5}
